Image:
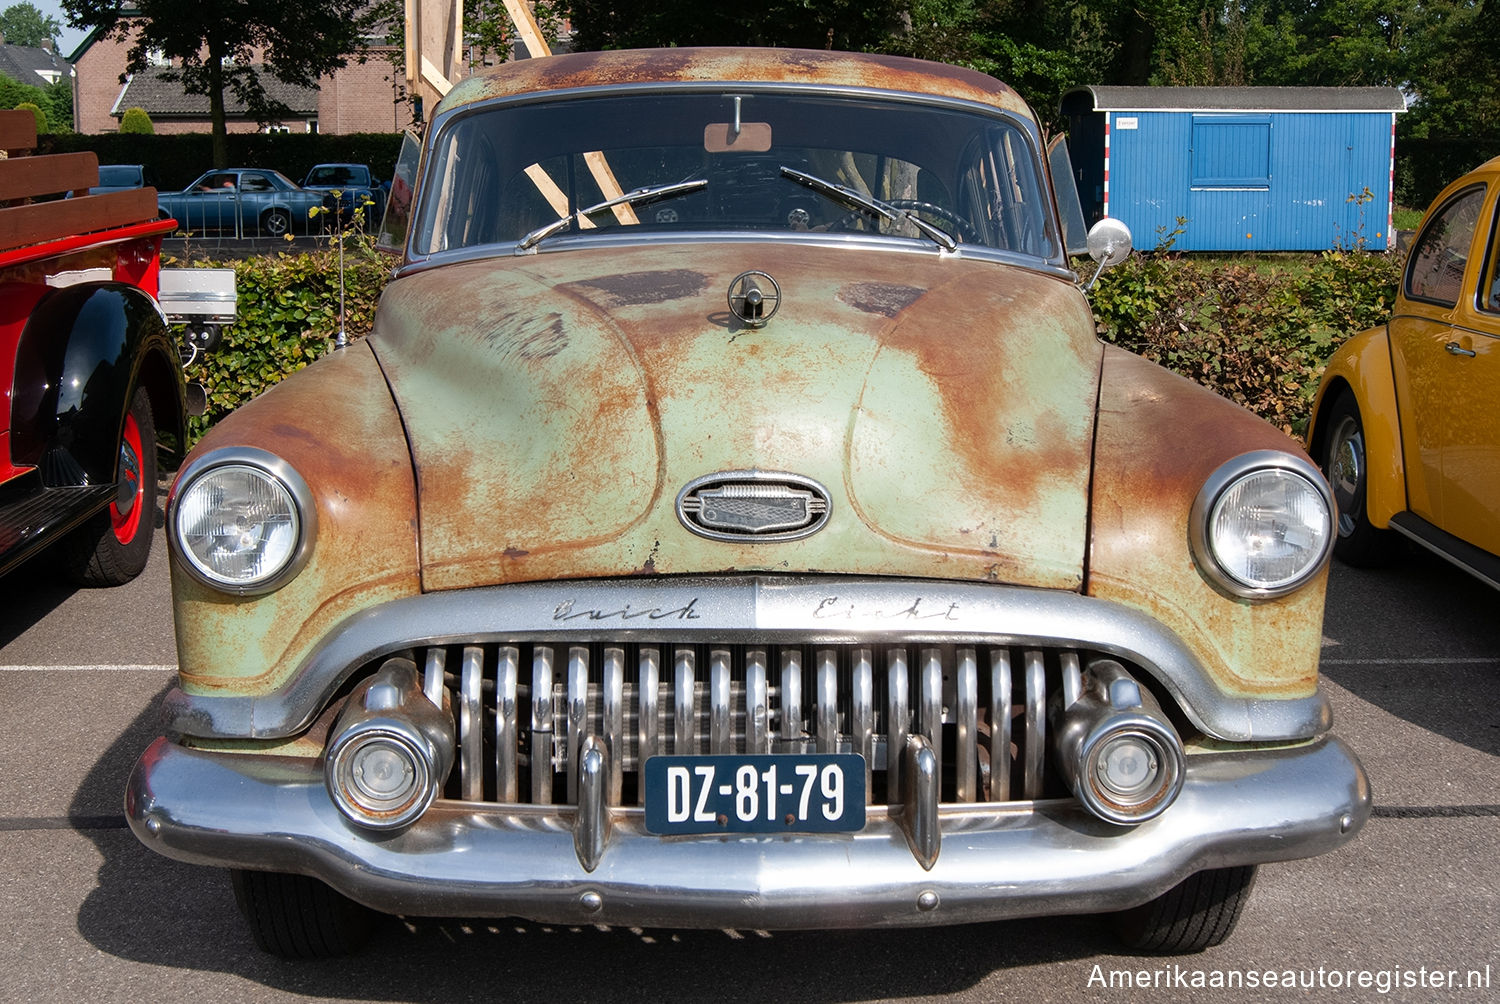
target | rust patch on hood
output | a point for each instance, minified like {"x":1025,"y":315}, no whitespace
{"x":639,"y":289}
{"x":883,"y":298}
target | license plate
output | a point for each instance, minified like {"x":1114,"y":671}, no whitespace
{"x":755,"y":793}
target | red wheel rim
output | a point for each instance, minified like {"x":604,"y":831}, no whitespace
{"x":126,"y":524}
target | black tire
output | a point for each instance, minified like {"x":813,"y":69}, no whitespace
{"x":297,"y":917}
{"x":112,"y":548}
{"x":1345,"y":464}
{"x":276,"y":222}
{"x":1195,"y":914}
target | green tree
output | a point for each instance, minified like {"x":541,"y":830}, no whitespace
{"x":828,"y":24}
{"x":135,"y":120}
{"x":25,"y":24}
{"x":41,"y":116}
{"x":214,"y":46}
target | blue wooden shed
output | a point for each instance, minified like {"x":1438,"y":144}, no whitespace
{"x":1248,"y":168}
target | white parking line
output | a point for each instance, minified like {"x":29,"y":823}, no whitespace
{"x":1415,"y":660}
{"x":90,"y":669}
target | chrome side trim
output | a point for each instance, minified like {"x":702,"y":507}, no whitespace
{"x":759,"y":609}
{"x":1026,"y":859}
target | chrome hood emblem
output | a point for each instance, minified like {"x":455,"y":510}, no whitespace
{"x":753,"y":505}
{"x":754,"y":297}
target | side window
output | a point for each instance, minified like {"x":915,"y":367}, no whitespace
{"x":1440,"y":255}
{"x":1489,"y":292}
{"x":255,"y":183}
{"x":1231,"y":151}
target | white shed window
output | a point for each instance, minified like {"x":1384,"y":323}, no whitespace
{"x":1231,"y":151}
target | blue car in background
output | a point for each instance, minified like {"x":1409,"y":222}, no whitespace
{"x":244,"y":202}
{"x":356,"y":186}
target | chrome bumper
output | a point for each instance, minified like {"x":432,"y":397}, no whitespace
{"x":995,"y":861}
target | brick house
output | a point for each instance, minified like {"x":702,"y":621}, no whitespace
{"x":362,"y":97}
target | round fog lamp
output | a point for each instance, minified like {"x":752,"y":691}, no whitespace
{"x":1127,"y":766}
{"x":378,"y":779}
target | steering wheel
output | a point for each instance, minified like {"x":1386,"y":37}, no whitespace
{"x":967,"y":232}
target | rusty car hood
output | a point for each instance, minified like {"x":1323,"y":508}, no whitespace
{"x":556,"y":404}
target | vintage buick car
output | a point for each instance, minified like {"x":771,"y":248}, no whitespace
{"x":733,"y":521}
{"x":1405,"y":415}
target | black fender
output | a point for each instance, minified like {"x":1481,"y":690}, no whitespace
{"x":84,"y":351}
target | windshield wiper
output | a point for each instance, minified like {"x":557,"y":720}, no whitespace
{"x":639,"y":197}
{"x":851,"y":199}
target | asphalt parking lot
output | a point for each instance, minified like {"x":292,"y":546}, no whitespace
{"x":1411,"y":660}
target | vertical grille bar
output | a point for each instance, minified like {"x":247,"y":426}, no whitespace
{"x":757,"y":703}
{"x":471,"y":724}
{"x":578,"y":713}
{"x":1072,"y":677}
{"x":898,"y":716}
{"x":720,"y":714}
{"x":1036,"y":724}
{"x":507,"y":738}
{"x":432,"y":679}
{"x":614,"y":722}
{"x":684,"y":694}
{"x":1000,"y":689}
{"x":828,"y":700}
{"x":930,"y":702}
{"x":792,"y":729}
{"x":862,"y":713}
{"x":648,"y":694}
{"x":966,"y":748}
{"x":541,"y":725}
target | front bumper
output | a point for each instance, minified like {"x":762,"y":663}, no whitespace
{"x":995,"y":862}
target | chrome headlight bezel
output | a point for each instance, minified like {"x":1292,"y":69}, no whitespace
{"x":1206,"y":505}
{"x":275,"y":471}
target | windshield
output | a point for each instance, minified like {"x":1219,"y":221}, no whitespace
{"x":332,"y":175}
{"x":119,"y":176}
{"x":504,"y":175}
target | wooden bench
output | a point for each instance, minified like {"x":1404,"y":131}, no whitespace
{"x":25,"y":177}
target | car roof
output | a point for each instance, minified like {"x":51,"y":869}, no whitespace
{"x":734,"y":66}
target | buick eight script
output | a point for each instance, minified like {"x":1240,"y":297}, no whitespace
{"x":733,"y":521}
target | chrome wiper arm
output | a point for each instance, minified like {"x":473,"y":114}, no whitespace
{"x":851,"y":199}
{"x":638,"y":197}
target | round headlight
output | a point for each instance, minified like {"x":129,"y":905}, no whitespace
{"x":1263,"y":525}
{"x":242,"y":520}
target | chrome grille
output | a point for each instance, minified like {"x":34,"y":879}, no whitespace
{"x":523,"y":711}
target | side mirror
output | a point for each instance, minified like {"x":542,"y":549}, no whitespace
{"x":1109,"y":243}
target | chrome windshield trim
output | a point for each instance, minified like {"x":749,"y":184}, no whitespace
{"x":628,"y":237}
{"x":758,"y":609}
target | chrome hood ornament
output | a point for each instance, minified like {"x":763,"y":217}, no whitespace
{"x":754,"y":297}
{"x":753,"y":505}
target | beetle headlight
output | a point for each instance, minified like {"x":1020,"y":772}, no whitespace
{"x":1262,"y":525}
{"x":242,"y":520}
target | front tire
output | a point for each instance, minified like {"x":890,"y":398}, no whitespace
{"x":297,"y":917}
{"x":1195,"y":914}
{"x":112,"y":548}
{"x":1345,"y":462}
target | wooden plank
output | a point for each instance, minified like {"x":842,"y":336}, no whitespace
{"x":50,"y":221}
{"x":17,"y":130}
{"x":25,"y":177}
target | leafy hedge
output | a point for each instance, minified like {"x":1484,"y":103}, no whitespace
{"x":288,"y":316}
{"x":1256,"y":333}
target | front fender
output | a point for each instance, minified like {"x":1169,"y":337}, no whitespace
{"x":1362,"y":366}
{"x":84,"y":351}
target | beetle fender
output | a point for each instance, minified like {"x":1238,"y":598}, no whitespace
{"x":1362,"y":365}
{"x":84,"y":351}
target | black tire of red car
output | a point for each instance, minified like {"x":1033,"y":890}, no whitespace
{"x":1195,"y":914}
{"x":297,"y":917}
{"x":276,"y":222}
{"x":1344,"y":463}
{"x":112,"y":548}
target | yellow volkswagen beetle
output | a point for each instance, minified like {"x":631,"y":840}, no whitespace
{"x":1404,"y":423}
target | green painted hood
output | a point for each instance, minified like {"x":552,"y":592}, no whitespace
{"x":557,"y":403}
